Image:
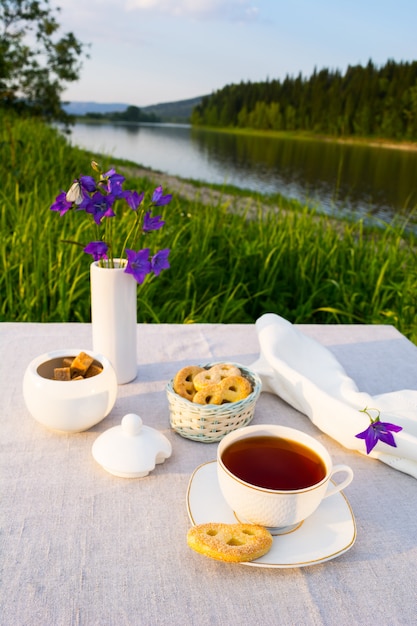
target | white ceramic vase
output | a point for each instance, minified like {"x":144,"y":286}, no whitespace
{"x":114,"y":318}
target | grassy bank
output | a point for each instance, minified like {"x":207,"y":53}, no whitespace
{"x":226,"y":266}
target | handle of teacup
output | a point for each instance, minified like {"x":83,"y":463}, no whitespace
{"x":332,"y":488}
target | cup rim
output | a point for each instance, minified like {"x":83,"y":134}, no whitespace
{"x":251,"y":430}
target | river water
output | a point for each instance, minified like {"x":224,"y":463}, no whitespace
{"x":339,"y":179}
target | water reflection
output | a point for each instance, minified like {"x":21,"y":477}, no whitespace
{"x":339,"y":178}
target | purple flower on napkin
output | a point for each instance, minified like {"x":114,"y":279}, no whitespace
{"x":378,"y":430}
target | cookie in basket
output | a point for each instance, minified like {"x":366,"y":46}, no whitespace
{"x":220,"y":384}
{"x":209,"y":423}
{"x":183,"y":381}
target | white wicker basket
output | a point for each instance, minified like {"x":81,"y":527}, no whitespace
{"x":209,"y":422}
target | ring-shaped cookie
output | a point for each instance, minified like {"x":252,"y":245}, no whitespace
{"x":206,"y":377}
{"x":235,"y":388}
{"x":209,"y":394}
{"x":233,"y":543}
{"x":183,"y":381}
{"x":226,"y":369}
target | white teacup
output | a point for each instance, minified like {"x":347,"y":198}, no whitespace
{"x":260,"y":491}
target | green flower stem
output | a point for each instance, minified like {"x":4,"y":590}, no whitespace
{"x":108,"y":238}
{"x":366,"y":411}
{"x":75,"y":243}
{"x":137,"y":225}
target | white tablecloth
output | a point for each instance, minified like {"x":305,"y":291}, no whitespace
{"x":82,"y":547}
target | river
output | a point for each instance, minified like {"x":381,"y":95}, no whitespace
{"x":338,"y":178}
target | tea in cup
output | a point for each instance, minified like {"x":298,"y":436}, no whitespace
{"x":275,"y":476}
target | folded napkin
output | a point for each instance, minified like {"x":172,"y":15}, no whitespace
{"x":307,"y":376}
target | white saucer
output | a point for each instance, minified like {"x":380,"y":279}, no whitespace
{"x":326,"y":534}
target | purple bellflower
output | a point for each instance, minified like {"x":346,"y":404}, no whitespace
{"x":160,"y":261}
{"x":138,"y":264}
{"x":98,"y":198}
{"x":114,"y":182}
{"x":133,"y":199}
{"x":99,"y":206}
{"x":88,"y":184}
{"x":98,"y":249}
{"x":152,"y":223}
{"x":61,"y":204}
{"x":378,"y":431}
{"x":158,"y":199}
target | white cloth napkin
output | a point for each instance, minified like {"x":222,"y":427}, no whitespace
{"x":307,"y":376}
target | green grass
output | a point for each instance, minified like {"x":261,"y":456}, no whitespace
{"x":225,"y":267}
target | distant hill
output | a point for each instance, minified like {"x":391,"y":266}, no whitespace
{"x":174,"y":111}
{"x":179,"y":111}
{"x":81,"y":108}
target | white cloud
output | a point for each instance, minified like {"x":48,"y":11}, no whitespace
{"x":236,"y":10}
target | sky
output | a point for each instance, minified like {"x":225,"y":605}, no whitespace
{"x":145,"y":52}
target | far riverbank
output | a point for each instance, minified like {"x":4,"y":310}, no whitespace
{"x":372,"y":142}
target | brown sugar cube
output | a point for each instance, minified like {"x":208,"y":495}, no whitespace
{"x":93,"y":370}
{"x":67,"y":361}
{"x":62,"y":373}
{"x":80,"y":364}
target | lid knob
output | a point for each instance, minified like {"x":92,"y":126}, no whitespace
{"x":132,"y":424}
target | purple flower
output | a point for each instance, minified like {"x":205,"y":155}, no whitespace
{"x":98,"y":249}
{"x":133,"y":198}
{"x":158,"y":199}
{"x":378,"y":430}
{"x":61,"y":204}
{"x":98,"y":206}
{"x":138,"y":264}
{"x":97,"y":196}
{"x":88,"y":184}
{"x":160,"y":261}
{"x":114,"y":183}
{"x":152,"y":223}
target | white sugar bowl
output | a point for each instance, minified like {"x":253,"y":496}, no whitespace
{"x":131,"y":450}
{"x":68,"y":406}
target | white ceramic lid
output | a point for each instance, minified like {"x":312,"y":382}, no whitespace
{"x":132,"y":449}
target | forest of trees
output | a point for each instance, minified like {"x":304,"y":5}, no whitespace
{"x":365,"y":101}
{"x":131,"y":114}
